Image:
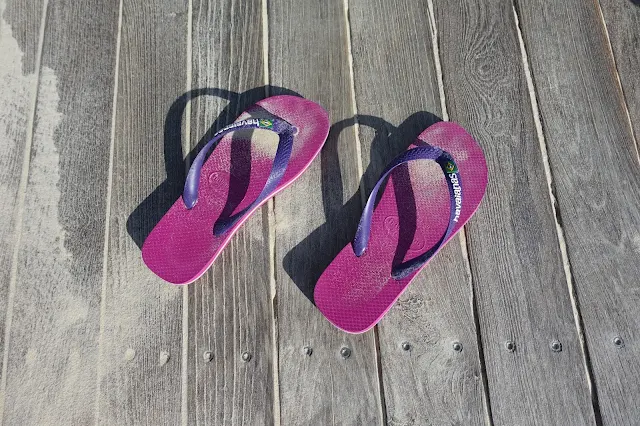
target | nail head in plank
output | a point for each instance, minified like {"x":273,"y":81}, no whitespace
{"x":596,"y":173}
{"x":140,"y":310}
{"x":307,"y":54}
{"x":230,"y":311}
{"x":518,"y":274}
{"x":396,"y":80}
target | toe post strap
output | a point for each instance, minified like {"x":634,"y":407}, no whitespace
{"x":454,"y":183}
{"x":286,"y":133}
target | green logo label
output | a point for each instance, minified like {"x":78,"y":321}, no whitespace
{"x":450,"y":167}
{"x":267,"y":124}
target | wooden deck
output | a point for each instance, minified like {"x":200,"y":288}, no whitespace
{"x":532,"y":316}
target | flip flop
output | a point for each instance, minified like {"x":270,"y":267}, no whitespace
{"x":424,"y":205}
{"x":265,"y":150}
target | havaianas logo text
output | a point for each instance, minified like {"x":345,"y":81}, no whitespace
{"x":451,"y":168}
{"x":241,"y":123}
{"x":262,"y":123}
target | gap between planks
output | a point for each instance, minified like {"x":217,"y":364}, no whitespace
{"x":22,"y":188}
{"x":462,"y":236}
{"x":352,"y":94}
{"x":617,"y":75}
{"x":105,"y":250}
{"x":360,"y":169}
{"x":271,"y":227}
{"x":555,"y":209}
{"x":184,"y":413}
{"x":436,"y":59}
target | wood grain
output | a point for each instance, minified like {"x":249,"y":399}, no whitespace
{"x":426,"y":382}
{"x":140,"y":366}
{"x":314,"y":219}
{"x":19,"y":35}
{"x":596,"y":172}
{"x":522,"y":293}
{"x":230,"y":310}
{"x":622,"y":19}
{"x":54,"y":336}
{"x":134,"y":332}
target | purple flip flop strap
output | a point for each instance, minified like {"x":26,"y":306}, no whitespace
{"x":452,"y":177}
{"x":286,"y":133}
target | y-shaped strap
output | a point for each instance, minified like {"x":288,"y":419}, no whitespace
{"x":280,"y":162}
{"x":450,"y":169}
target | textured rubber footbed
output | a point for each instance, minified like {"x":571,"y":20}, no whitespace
{"x":182,"y":245}
{"x":353,"y":292}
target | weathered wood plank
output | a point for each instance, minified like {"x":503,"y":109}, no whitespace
{"x":53,"y":348}
{"x":596,"y":172}
{"x":314,"y":220}
{"x":230,"y":310}
{"x":141,"y":343}
{"x":516,"y":262}
{"x":623,"y":20}
{"x":395,"y":78}
{"x":20,"y":23}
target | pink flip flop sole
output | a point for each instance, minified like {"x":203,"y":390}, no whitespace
{"x":182,"y":245}
{"x":412,"y":215}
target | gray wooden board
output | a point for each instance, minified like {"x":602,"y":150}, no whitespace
{"x":53,"y":348}
{"x":521,"y":288}
{"x":141,"y":342}
{"x":19,"y":34}
{"x":595,"y":168}
{"x":230,"y":310}
{"x":396,"y":94}
{"x":314,"y":219}
{"x":623,"y":20}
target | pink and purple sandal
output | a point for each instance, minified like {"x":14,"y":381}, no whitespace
{"x":424,"y":205}
{"x":240,"y":175}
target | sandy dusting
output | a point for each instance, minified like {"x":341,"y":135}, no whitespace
{"x":15,"y":90}
{"x":43,"y":260}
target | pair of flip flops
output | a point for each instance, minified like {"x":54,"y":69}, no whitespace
{"x":424,"y":204}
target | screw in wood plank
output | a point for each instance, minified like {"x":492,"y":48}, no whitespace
{"x":207,"y":356}
{"x":307,"y":350}
{"x":406,"y":346}
{"x":164,"y":358}
{"x":457,"y":346}
{"x":510,"y":345}
{"x":129,"y":354}
{"x":556,"y":346}
{"x":246,"y":356}
{"x":345,"y":352}
{"x":618,"y":342}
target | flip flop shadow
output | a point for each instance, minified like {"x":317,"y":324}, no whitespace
{"x":148,"y":213}
{"x":305,"y":262}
